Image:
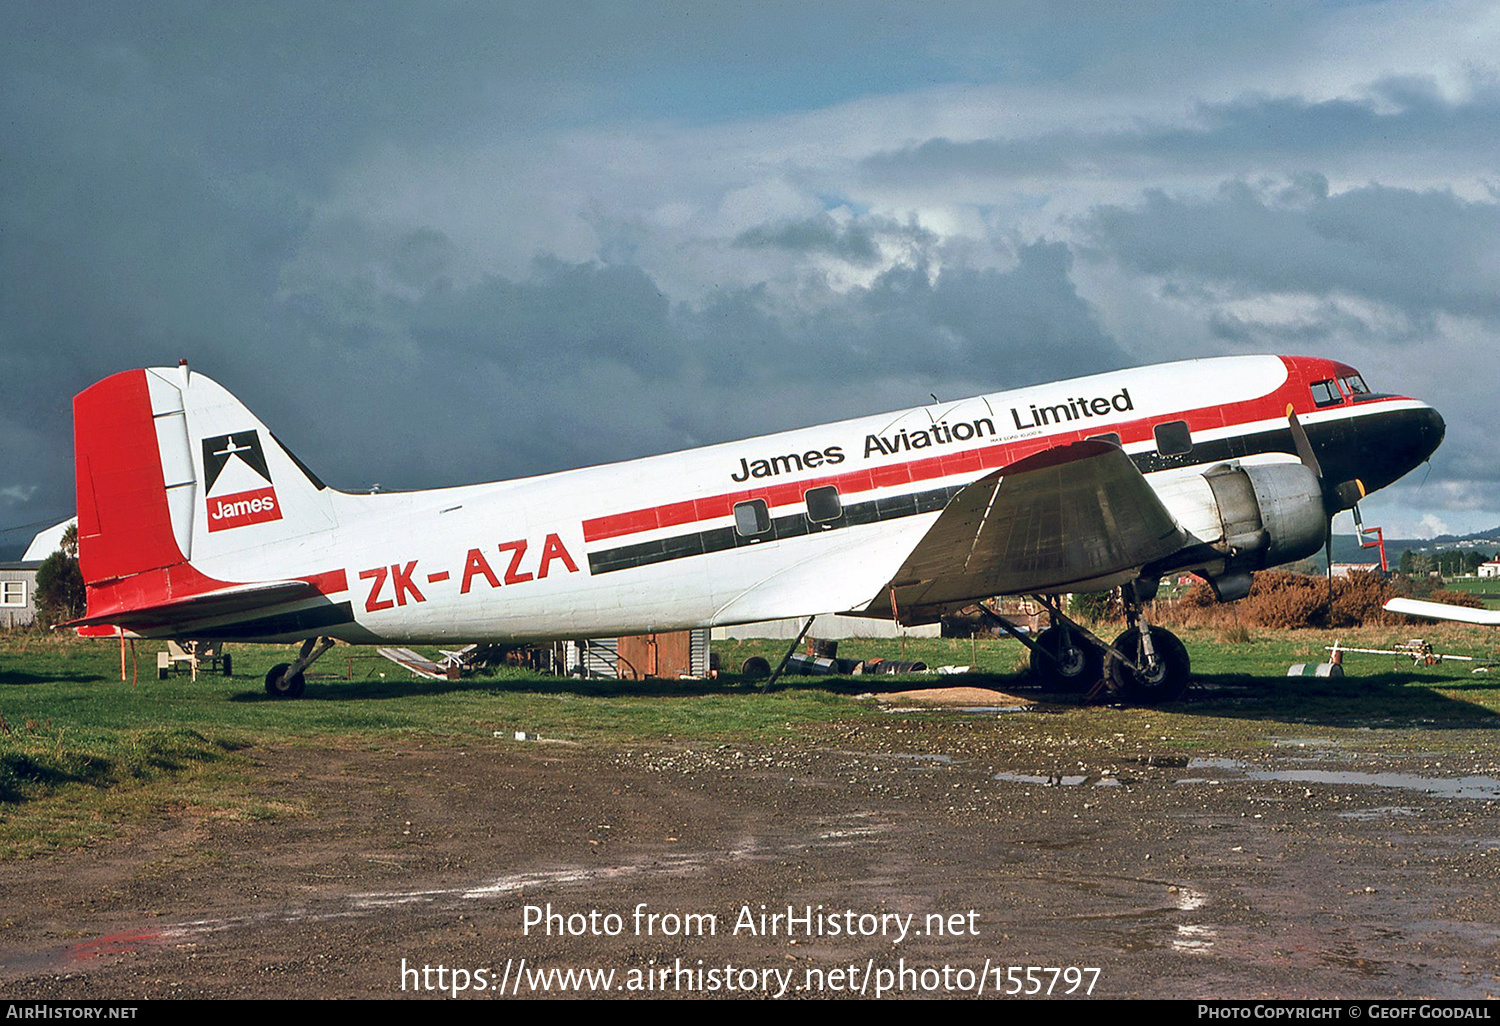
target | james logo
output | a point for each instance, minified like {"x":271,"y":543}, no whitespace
{"x":243,"y":508}
{"x":253,"y":506}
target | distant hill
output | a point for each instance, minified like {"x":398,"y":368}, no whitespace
{"x":1346,"y":547}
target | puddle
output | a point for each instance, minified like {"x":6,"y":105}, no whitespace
{"x":1057,"y":780}
{"x":1480,"y":787}
{"x":1194,"y":939}
{"x":1381,"y":812}
{"x":847,"y":831}
{"x":1169,"y":761}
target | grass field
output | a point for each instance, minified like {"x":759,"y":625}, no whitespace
{"x":1487,"y":588}
{"x":84,"y":755}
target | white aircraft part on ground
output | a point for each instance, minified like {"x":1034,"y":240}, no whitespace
{"x":1442,"y":611}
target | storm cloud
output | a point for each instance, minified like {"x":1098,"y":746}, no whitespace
{"x":462,"y":241}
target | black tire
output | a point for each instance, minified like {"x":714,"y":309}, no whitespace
{"x":228,"y":664}
{"x":1164,"y":684}
{"x":279,"y":685}
{"x":1061,"y":667}
{"x":755,"y":668}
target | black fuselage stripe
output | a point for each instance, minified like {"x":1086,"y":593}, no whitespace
{"x":794,"y":525}
{"x":720,"y":539}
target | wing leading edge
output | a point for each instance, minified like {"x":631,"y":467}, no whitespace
{"x":1069,"y":518}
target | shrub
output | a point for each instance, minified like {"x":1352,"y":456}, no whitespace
{"x":1094,"y":606}
{"x":1280,"y":599}
{"x":1456,"y":598}
{"x":1285,"y":600}
{"x":1357,"y":600}
{"x":1199,"y":595}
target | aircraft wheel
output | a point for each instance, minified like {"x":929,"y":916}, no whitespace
{"x":228,"y":665}
{"x":755,"y":668}
{"x":1074,"y":667}
{"x":278,"y":685}
{"x":1166,"y":682}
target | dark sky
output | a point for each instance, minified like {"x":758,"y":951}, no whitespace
{"x":445,"y":242}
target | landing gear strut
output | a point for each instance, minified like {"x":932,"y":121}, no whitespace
{"x":1065,"y":660}
{"x":1148,"y":665}
{"x":285,"y":680}
{"x":1066,"y":657}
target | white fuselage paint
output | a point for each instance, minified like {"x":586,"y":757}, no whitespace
{"x":407,"y":556}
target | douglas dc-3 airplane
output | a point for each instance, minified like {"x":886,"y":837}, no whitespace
{"x":195,"y":522}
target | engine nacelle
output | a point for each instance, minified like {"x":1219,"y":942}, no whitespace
{"x":1253,"y":517}
{"x":1270,"y":514}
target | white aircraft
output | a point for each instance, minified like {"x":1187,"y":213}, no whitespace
{"x":1442,"y":611}
{"x":195,"y":522}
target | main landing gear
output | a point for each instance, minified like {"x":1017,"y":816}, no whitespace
{"x":1146,"y":665}
{"x":1064,"y":658}
{"x":285,"y":680}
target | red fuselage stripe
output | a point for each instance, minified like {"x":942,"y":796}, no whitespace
{"x":1300,"y":371}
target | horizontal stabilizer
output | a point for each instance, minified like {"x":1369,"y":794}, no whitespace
{"x":1442,"y":611}
{"x":239,"y":598}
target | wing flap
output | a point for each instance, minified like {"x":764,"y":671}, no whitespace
{"x":1064,"y":519}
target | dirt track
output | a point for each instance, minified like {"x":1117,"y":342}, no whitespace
{"x":1171,"y":880}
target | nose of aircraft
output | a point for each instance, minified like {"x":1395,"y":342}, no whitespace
{"x":1393,"y":443}
{"x":1433,"y":429}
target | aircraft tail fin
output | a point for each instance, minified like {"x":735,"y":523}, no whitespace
{"x":178,"y":486}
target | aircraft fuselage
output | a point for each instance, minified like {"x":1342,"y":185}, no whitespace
{"x":819,"y":519}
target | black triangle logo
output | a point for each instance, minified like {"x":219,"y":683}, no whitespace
{"x":219,"y":450}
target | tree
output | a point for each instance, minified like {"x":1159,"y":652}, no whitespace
{"x":60,"y":594}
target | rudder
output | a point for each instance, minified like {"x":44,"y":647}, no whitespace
{"x":177,"y":485}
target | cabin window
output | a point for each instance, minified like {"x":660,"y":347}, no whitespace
{"x":12,"y":593}
{"x":1112,"y":437}
{"x":1173,"y":438}
{"x":823,"y":504}
{"x":1325,"y":393}
{"x":1354,"y":385}
{"x":751,"y":518}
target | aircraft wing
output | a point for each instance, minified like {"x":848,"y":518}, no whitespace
{"x":1441,"y":611}
{"x":1074,"y":517}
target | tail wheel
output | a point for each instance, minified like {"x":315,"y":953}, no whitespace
{"x":280,"y":684}
{"x":1164,"y":682}
{"x":1064,"y":661}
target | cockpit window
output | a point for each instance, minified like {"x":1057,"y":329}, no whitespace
{"x":1325,"y":393}
{"x":1354,"y":384}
